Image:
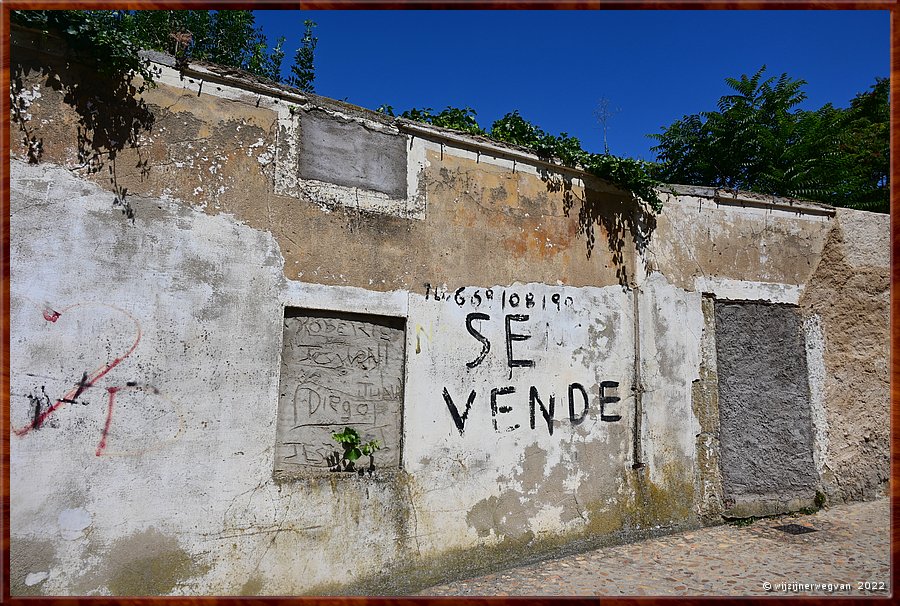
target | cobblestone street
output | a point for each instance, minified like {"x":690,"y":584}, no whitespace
{"x":849,"y":550}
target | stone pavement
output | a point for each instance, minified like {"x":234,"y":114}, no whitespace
{"x":851,"y":547}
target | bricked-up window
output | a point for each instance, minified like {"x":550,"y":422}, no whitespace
{"x":338,"y":370}
{"x":350,"y":154}
{"x":766,"y":430}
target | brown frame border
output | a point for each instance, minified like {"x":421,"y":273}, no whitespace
{"x":891,"y":5}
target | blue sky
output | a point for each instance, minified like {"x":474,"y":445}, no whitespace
{"x":555,"y":67}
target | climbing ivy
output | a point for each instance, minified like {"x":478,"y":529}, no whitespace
{"x":629,"y":174}
{"x":462,"y":119}
{"x":109,"y":40}
{"x":98,"y":39}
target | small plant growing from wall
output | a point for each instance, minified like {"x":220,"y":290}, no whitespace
{"x":353,"y":449}
{"x":821,"y":499}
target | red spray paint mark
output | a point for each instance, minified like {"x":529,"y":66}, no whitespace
{"x":72,"y":394}
{"x":86,"y":381}
{"x":50,"y":315}
{"x":112,"y":398}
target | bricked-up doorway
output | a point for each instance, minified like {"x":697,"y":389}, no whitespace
{"x":766,"y":429}
{"x":338,"y":370}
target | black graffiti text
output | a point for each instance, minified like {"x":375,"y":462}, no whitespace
{"x":502,"y":400}
{"x":459,"y":419}
{"x":476,"y":297}
{"x":511,"y":337}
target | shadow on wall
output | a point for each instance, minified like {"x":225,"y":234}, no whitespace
{"x":111,"y":116}
{"x":619,"y":215}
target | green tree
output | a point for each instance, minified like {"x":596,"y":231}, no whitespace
{"x":96,"y":38}
{"x":759,"y":141}
{"x":109,"y":40}
{"x":867,"y":148}
{"x":303,"y":71}
{"x":225,"y":37}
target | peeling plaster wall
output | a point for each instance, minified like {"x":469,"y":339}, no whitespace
{"x":737,"y":252}
{"x":560,"y":390}
{"x":171,"y":423}
{"x":848,"y":303}
{"x":836,"y":271}
{"x":528,"y":471}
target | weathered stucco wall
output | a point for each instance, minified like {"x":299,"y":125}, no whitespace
{"x":192,"y":313}
{"x":764,"y":406}
{"x":848,"y":301}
